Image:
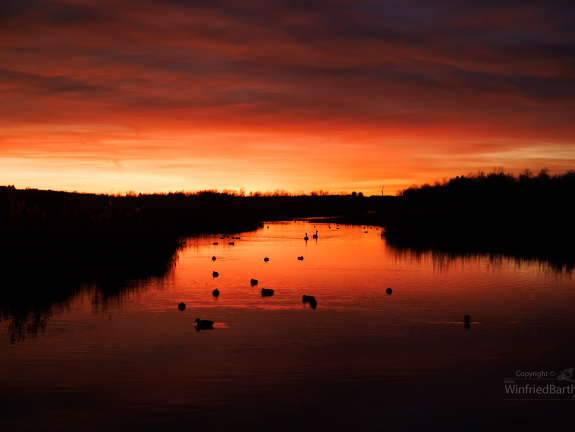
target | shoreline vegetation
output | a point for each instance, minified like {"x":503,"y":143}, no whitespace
{"x":529,"y":215}
{"x":54,"y":243}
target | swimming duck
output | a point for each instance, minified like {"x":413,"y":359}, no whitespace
{"x":216,"y":292}
{"x":388,"y":291}
{"x":253,"y":282}
{"x":215,"y":274}
{"x":204,"y":324}
{"x":182,"y":306}
{"x":267,"y":292}
{"x":310,"y":300}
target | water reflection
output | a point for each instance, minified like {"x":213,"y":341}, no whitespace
{"x":32,"y":292}
{"x":392,"y":333}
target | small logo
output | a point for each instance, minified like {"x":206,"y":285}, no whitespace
{"x":566,"y":375}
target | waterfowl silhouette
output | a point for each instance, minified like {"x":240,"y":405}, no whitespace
{"x":231,"y":243}
{"x":216,"y":292}
{"x":467,"y":322}
{"x":204,"y":324}
{"x":300,"y":258}
{"x":315,"y":235}
{"x":310,"y":300}
{"x":182,"y":306}
{"x":215,"y":274}
{"x":306,"y":237}
{"x":267,"y":292}
{"x":388,"y":291}
{"x":213,"y":258}
{"x":253,"y":282}
{"x":266,"y":259}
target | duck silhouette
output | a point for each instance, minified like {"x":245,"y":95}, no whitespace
{"x":216,"y":292}
{"x":300,"y":258}
{"x":215,"y":274}
{"x":466,"y":322}
{"x":267,"y":292}
{"x":388,"y":291}
{"x":182,"y":306}
{"x":266,"y":259}
{"x":253,"y":282}
{"x":213,"y":258}
{"x":204,"y":324}
{"x":309,"y":300}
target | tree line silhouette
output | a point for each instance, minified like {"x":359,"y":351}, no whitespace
{"x":51,"y":242}
{"x":115,"y":229}
{"x":497,"y":210}
{"x":528,"y":213}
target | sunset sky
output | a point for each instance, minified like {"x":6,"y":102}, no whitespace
{"x":341,"y":95}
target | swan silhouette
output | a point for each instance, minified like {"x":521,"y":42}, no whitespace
{"x":315,"y":235}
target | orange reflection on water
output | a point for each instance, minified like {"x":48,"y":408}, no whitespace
{"x":361,"y":349}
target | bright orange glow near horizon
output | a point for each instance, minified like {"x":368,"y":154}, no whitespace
{"x":150,"y":96}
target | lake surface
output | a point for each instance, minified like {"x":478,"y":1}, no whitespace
{"x":128,"y":359}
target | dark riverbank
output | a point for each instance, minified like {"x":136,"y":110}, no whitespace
{"x":527,"y":216}
{"x":88,"y":232}
{"x":54,"y":243}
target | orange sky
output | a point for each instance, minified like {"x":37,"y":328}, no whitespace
{"x":340,"y":95}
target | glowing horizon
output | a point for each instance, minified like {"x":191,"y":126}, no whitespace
{"x":170,"y":96}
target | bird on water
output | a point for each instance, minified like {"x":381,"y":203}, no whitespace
{"x":215,"y":274}
{"x":310,"y":300}
{"x":216,"y":292}
{"x":389,"y":291}
{"x":266,"y":259}
{"x":306,"y":237}
{"x":266,"y":292}
{"x":204,"y":324}
{"x":182,"y":306}
{"x":253,"y":282}
{"x":315,"y":235}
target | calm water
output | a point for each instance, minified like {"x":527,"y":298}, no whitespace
{"x":361,"y":360}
